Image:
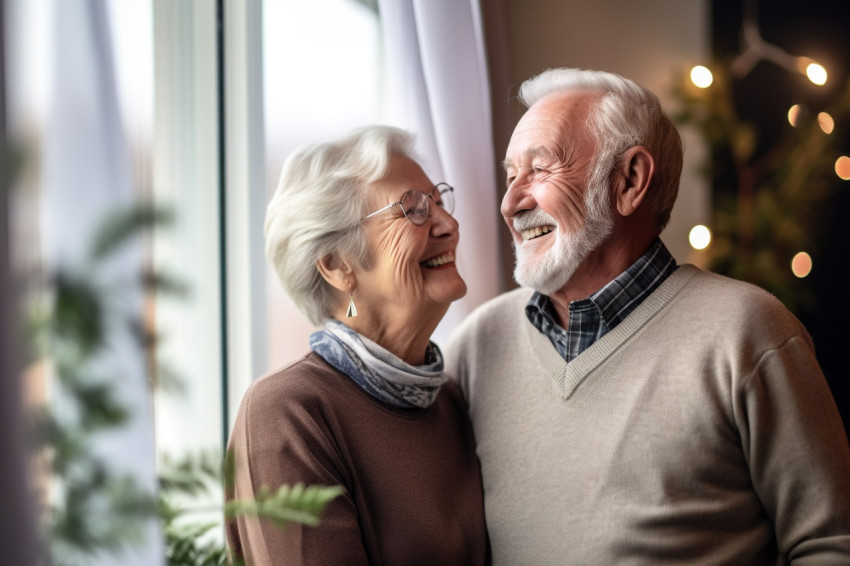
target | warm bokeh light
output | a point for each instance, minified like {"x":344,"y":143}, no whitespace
{"x":816,"y":73}
{"x":801,"y":265}
{"x":701,"y":76}
{"x":699,"y":237}
{"x":826,"y":123}
{"x":794,"y":114}
{"x":842,"y":167}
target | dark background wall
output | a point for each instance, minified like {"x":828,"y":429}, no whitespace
{"x":819,"y":29}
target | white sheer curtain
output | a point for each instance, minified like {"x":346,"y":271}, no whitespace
{"x":88,"y":176}
{"x":438,"y":88}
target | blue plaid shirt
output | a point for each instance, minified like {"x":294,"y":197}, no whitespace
{"x":593,"y":317}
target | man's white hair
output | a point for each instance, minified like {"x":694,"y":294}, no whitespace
{"x":626,"y":115}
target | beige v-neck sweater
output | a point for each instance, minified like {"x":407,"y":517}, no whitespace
{"x":700,"y":430}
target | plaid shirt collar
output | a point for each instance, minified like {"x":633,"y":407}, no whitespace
{"x":593,"y":317}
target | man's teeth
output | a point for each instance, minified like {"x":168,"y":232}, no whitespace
{"x":536,"y":231}
{"x":439,"y":260}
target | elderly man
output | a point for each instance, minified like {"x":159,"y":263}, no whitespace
{"x":628,"y":410}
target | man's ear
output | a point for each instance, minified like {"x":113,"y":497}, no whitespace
{"x":337,"y":272}
{"x":636,"y":168}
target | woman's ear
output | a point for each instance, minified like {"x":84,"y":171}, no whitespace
{"x":337,"y":272}
{"x":637,"y":168}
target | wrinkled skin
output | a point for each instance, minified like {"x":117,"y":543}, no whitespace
{"x":572,"y":237}
{"x":400,"y":301}
{"x":546,"y":207}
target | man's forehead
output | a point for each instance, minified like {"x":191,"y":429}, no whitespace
{"x":546,"y":127}
{"x":529,"y":154}
{"x":562,"y":108}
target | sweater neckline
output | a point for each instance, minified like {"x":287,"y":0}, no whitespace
{"x":566,"y":377}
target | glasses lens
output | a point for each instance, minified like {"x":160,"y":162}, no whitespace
{"x":447,"y":197}
{"x":415,"y":206}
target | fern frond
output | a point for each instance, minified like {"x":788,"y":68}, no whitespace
{"x":289,"y":504}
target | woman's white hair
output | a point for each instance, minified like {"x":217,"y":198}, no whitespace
{"x":627,"y":115}
{"x":317,"y":207}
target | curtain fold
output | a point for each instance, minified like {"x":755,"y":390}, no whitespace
{"x":494,"y":16}
{"x":438,"y":88}
{"x":87,"y":177}
{"x":17,"y":524}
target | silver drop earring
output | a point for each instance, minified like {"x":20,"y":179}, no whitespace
{"x":352,"y":310}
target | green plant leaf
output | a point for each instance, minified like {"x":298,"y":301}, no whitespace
{"x":289,"y":504}
{"x":122,"y":225}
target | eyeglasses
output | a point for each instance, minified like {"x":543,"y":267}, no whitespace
{"x":416,"y":205}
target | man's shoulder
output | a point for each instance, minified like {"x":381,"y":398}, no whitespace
{"x":732,"y":291}
{"x":734,"y":303}
{"x":502,"y":315}
{"x":506,"y":309}
{"x":512,"y":302}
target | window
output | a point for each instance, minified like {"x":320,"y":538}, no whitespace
{"x":336,"y":47}
{"x":195,"y":105}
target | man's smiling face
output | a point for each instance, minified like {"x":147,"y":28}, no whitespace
{"x":556,"y":206}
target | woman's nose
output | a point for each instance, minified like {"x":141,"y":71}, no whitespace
{"x":442,"y":223}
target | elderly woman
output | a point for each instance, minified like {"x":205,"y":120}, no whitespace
{"x":364,"y":243}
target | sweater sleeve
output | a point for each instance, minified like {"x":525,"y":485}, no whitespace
{"x":798,"y":454}
{"x":279,"y":438}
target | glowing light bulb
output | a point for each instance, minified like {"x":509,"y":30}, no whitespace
{"x":826,"y":123}
{"x":801,"y":265}
{"x":842,"y":168}
{"x":699,"y":237}
{"x":816,"y":73}
{"x":794,"y":114}
{"x":701,"y":76}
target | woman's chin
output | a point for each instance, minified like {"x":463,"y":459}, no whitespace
{"x":461,"y":291}
{"x":447,"y":292}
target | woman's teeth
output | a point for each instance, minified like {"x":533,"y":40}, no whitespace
{"x":537,"y":231}
{"x":439,"y":260}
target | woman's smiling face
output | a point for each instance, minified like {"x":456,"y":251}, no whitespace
{"x":410,"y":270}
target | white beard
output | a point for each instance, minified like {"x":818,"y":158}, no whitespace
{"x":551,"y":271}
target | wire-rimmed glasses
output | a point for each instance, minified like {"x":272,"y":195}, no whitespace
{"x":416,"y":205}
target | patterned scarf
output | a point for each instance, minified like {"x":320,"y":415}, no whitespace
{"x":380,"y":373}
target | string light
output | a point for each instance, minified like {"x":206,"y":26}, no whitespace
{"x":795,"y":114}
{"x":842,"y":168}
{"x":701,"y":76}
{"x":699,"y":237}
{"x":801,"y":264}
{"x":815,"y":71}
{"x":826,"y":123}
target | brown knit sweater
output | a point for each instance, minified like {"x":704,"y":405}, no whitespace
{"x":412,"y":480}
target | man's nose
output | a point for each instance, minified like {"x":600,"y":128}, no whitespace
{"x":518,"y":197}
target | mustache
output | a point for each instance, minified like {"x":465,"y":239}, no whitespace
{"x":528,"y":219}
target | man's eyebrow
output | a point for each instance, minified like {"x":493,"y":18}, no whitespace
{"x":529,"y":154}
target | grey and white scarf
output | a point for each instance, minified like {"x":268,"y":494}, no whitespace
{"x":379,"y":372}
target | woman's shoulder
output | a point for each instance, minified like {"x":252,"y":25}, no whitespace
{"x":305,"y":381}
{"x":451,"y":392}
